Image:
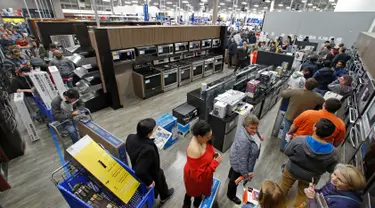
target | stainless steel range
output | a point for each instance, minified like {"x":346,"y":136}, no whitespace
{"x":208,"y":66}
{"x":184,"y":73}
{"x":169,"y":74}
{"x":197,"y":70}
{"x":218,"y":63}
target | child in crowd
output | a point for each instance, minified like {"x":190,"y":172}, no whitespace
{"x":270,"y":196}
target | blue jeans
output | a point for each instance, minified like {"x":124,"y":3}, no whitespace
{"x":70,"y":127}
{"x":287,"y":124}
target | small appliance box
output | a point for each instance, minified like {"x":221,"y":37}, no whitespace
{"x":169,"y":123}
{"x":61,"y":88}
{"x":252,"y":87}
{"x":184,"y":131}
{"x":42,"y":91}
{"x":44,"y":76}
{"x":185,"y":113}
{"x":25,"y":115}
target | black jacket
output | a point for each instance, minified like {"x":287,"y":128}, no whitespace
{"x":340,"y":57}
{"x":241,"y":54}
{"x":324,"y":77}
{"x":144,"y":156}
{"x":232,"y":50}
{"x":22,"y":83}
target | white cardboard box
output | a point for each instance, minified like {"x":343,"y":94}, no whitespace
{"x":40,"y":87}
{"x":44,"y":76}
{"x":61,"y":88}
{"x":25,"y":115}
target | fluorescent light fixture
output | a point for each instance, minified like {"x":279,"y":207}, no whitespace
{"x":204,"y":0}
{"x":254,"y":9}
{"x":128,"y":2}
{"x":304,"y":1}
{"x":135,"y":2}
{"x":314,"y":7}
{"x":281,"y":5}
{"x":185,"y":2}
{"x":244,"y":3}
{"x":288,"y":7}
{"x":256,"y":5}
{"x":107,"y":0}
{"x":222,"y":4}
{"x":265,"y":7}
{"x":235,"y":6}
{"x":201,"y":3}
{"x":331,"y":1}
{"x":267,"y":1}
{"x":168,"y":2}
{"x":334,"y":3}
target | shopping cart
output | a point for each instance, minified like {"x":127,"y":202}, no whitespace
{"x":143,"y":197}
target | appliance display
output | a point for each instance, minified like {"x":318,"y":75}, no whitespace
{"x":194,"y":45}
{"x":206,"y":44}
{"x":268,"y":77}
{"x":189,"y":55}
{"x":223,"y":131}
{"x":161,"y":61}
{"x":208,"y":66}
{"x":200,"y":53}
{"x":169,"y":76}
{"x":184,"y":74}
{"x":176,"y":58}
{"x":164,"y":50}
{"x":146,"y":80}
{"x":197,"y":71}
{"x":124,"y":56}
{"x":216,"y":43}
{"x":365,"y":94}
{"x":185,"y":113}
{"x":232,"y":98}
{"x":220,"y":109}
{"x":218,"y":63}
{"x":353,"y":141}
{"x":181,"y":47}
{"x":146,"y":51}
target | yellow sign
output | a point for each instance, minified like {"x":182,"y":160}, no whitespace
{"x":107,"y":170}
{"x":15,"y":20}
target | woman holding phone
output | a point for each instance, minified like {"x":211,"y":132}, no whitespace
{"x":202,"y":161}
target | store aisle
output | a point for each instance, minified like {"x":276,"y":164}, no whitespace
{"x":30,"y":174}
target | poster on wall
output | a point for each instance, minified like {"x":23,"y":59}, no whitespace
{"x":312,"y":37}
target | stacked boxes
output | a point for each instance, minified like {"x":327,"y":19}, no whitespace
{"x":169,"y":123}
{"x":61,"y":88}
{"x":44,"y":86}
{"x":25,"y":115}
{"x":184,"y":131}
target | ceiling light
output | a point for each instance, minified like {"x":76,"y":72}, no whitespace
{"x":334,"y":3}
{"x":128,"y":2}
{"x":244,"y":3}
{"x":201,"y":3}
{"x":281,"y":5}
{"x":185,"y":2}
{"x":222,"y":4}
{"x":267,"y":1}
{"x":265,"y":7}
{"x":238,"y":9}
{"x":256,"y":5}
{"x":218,"y":6}
{"x":331,"y":0}
{"x":169,"y":2}
{"x":304,"y":1}
{"x":235,"y":6}
{"x":309,"y":4}
{"x":107,"y":0}
{"x":254,"y":9}
{"x":314,"y":7}
{"x":135,"y":2}
{"x":288,"y":7}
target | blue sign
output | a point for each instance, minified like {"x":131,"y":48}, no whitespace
{"x":208,"y":201}
{"x":145,"y":12}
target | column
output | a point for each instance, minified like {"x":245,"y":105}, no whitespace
{"x":57,"y":9}
{"x":355,"y":6}
{"x":214,"y":11}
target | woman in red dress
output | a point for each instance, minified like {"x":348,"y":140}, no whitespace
{"x":200,"y":165}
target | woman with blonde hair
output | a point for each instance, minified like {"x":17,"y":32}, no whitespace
{"x":270,"y":196}
{"x":343,"y":190}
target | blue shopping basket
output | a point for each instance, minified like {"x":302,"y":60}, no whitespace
{"x":143,"y":197}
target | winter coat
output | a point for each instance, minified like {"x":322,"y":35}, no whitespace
{"x":336,"y":198}
{"x":61,"y":111}
{"x":324,"y":77}
{"x":232,"y":49}
{"x":243,"y":153}
{"x":64,"y":65}
{"x":309,"y":158}
{"x":340,"y":89}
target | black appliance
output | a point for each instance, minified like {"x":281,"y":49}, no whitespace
{"x":218,"y":64}
{"x":181,"y":47}
{"x":184,"y":73}
{"x":169,"y":74}
{"x":365,"y":93}
{"x":176,"y":58}
{"x":223,"y":131}
{"x":146,"y":51}
{"x":208,"y":66}
{"x":197,"y":71}
{"x":206,"y":44}
{"x":161,"y":61}
{"x":124,"y":56}
{"x":189,"y":55}
{"x":146,"y":80}
{"x":164,"y":50}
{"x":194,"y":45}
{"x":216,"y":43}
{"x":185,"y":113}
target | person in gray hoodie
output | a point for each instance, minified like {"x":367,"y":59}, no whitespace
{"x":64,"y":65}
{"x":243,"y":154}
{"x":342,"y":86}
{"x":309,"y":158}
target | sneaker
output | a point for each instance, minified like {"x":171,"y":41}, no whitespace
{"x":236,"y":200}
{"x":170,"y":193}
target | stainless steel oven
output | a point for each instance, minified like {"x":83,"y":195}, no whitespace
{"x":124,"y":56}
{"x":206,"y":44}
{"x":208,"y":66}
{"x":146,"y":50}
{"x":184,"y":74}
{"x":216,"y":43}
{"x":189,"y":55}
{"x":170,"y":76}
{"x":353,"y":143}
{"x":147,"y":80}
{"x":200,"y":53}
{"x":218,"y":63}
{"x":164,"y":50}
{"x":176,"y":58}
{"x":194,"y":45}
{"x":197,"y":70}
{"x":181,"y":47}
{"x":365,"y":93}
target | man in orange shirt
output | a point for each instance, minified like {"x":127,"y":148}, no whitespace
{"x":304,"y":123}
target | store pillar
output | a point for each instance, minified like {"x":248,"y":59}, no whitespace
{"x":214,"y":11}
{"x":355,"y":6}
{"x":56,"y":4}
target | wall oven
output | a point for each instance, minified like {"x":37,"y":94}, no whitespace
{"x":184,"y":73}
{"x":206,"y":44}
{"x":197,"y":70}
{"x":169,"y":76}
{"x":218,"y":63}
{"x":216,"y":43}
{"x":208,"y":66}
{"x":181,"y":47}
{"x":164,"y":50}
{"x":123,"y":56}
{"x":146,"y":50}
{"x":194,"y":45}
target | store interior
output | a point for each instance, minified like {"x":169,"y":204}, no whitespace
{"x":78,"y":78}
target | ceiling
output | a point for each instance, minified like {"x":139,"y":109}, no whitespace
{"x":254,"y":6}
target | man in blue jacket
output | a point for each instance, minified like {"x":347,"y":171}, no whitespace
{"x":243,"y":155}
{"x":324,"y":77}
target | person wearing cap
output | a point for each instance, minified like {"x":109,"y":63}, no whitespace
{"x":65,"y":110}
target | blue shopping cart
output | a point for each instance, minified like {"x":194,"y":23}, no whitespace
{"x":143,"y":197}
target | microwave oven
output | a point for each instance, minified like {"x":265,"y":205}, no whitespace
{"x":127,"y":55}
{"x":146,"y":51}
{"x":206,"y":44}
{"x":216,"y":43}
{"x":194,"y":46}
{"x":181,"y":47}
{"x":164,"y":50}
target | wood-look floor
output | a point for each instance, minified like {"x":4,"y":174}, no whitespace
{"x":30,"y":174}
